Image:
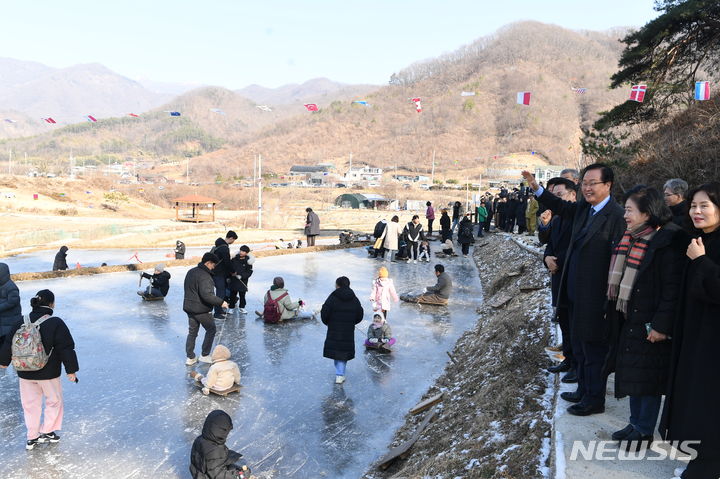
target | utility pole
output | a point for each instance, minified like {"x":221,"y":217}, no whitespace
{"x":432,"y":175}
{"x":254,"y":169}
{"x":9,"y":162}
{"x":259,"y":168}
{"x":187,"y":172}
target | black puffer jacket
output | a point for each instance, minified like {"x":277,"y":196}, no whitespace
{"x":341,"y":312}
{"x":222,"y":251}
{"x":60,"y":263}
{"x":58,"y":342}
{"x":445,"y":222}
{"x":243,"y":268}
{"x":10,"y":311}
{"x":465,"y":231}
{"x":200,"y":291}
{"x":160,"y":281}
{"x":209,"y":457}
{"x":642,"y":367}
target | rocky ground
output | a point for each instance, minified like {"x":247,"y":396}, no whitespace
{"x":496,"y":416}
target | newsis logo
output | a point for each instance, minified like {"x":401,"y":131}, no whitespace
{"x":612,"y":450}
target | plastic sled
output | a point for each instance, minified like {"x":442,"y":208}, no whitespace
{"x":381,"y":347}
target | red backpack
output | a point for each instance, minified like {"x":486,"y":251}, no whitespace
{"x":271,"y":311}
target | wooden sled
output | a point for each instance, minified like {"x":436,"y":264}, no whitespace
{"x":145,"y":297}
{"x":235,"y":388}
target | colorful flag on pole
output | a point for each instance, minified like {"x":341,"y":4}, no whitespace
{"x":91,"y":118}
{"x":264,"y":107}
{"x":418,"y":106}
{"x":174,"y":113}
{"x":579,"y":91}
{"x":49,"y":120}
{"x":311,"y":107}
{"x":702,"y":90}
{"x":133,"y":115}
{"x":217,"y":110}
{"x":637,"y":93}
{"x":467,"y":93}
{"x":10,"y":120}
{"x":361,"y":102}
{"x":523,"y":98}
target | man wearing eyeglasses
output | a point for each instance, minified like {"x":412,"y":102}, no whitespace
{"x":597,"y":225}
{"x":675,"y":190}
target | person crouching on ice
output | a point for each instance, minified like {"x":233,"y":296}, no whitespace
{"x":159,"y":283}
{"x":222,"y":375}
{"x":210,"y":458}
{"x":379,"y":333}
{"x":424,"y":252}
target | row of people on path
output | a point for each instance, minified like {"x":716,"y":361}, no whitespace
{"x":636,"y":294}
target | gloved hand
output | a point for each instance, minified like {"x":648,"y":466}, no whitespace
{"x":373,"y":340}
{"x":206,"y":391}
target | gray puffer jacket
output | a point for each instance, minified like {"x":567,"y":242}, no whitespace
{"x":10,"y":311}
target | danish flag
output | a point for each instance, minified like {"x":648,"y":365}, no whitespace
{"x":637,"y":93}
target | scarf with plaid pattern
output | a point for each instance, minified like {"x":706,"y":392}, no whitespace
{"x":625,"y":264}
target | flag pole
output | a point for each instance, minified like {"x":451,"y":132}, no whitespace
{"x":259,"y":191}
{"x":432,"y":175}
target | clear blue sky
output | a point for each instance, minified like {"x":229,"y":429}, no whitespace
{"x":234,"y":43}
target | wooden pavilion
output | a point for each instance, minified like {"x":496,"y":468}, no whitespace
{"x":195,"y":208}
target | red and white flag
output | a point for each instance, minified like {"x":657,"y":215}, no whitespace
{"x":91,"y":118}
{"x":637,"y":93}
{"x":523,"y":98}
{"x":49,"y":120}
{"x":133,"y":115}
{"x":418,"y":106}
{"x":311,"y":107}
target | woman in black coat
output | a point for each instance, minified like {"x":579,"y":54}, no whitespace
{"x":465,"y":234}
{"x":691,"y":409}
{"x":643,"y":291}
{"x":445,"y":229}
{"x":341,"y":312}
{"x":44,"y":383}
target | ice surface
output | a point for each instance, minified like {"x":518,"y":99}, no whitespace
{"x":43,"y":260}
{"x":134,"y":413}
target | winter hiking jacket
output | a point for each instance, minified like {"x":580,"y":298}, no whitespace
{"x":430,"y":213}
{"x":288,"y":308}
{"x":199,"y":291}
{"x":222,"y":251}
{"x":57,"y":341}
{"x":481,"y":214}
{"x":160,"y":281}
{"x":60,"y":263}
{"x":413,"y":232}
{"x":379,"y":229}
{"x":443,"y":287}
{"x":210,"y":458}
{"x":10,"y":311}
{"x":312,"y":224}
{"x":383,"y":294}
{"x":243,"y":269}
{"x":223,"y":373}
{"x":341,"y":312}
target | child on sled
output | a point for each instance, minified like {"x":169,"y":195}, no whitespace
{"x":222,"y":375}
{"x":379,"y":333}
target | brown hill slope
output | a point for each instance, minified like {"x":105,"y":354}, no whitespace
{"x":544,"y":59}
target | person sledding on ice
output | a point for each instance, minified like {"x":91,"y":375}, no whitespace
{"x":222,"y":377}
{"x":159,"y":284}
{"x":438,"y":294}
{"x":210,"y":458}
{"x":379,"y":334}
{"x":279,"y":307}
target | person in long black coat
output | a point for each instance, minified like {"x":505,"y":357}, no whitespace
{"x":10,"y":309}
{"x":445,"y":228}
{"x":210,"y":458}
{"x":642,"y":351}
{"x":465,"y":234}
{"x":597,"y":226}
{"x":341,"y":312}
{"x":691,"y":409}
{"x":60,"y":263}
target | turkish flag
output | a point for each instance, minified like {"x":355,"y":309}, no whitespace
{"x":311,"y":107}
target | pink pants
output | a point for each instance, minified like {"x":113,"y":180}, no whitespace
{"x":31,"y":396}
